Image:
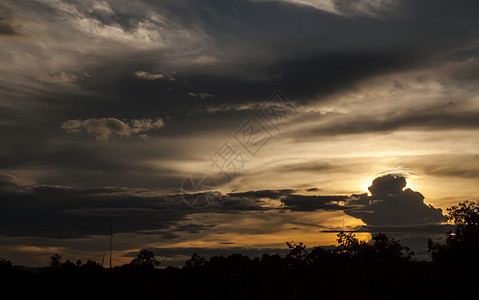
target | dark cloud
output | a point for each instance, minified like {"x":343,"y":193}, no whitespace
{"x":292,"y":201}
{"x":460,"y":166}
{"x":28,"y":209}
{"x":272,"y":194}
{"x":55,"y":211}
{"x":7,"y":29}
{"x":310,"y":56}
{"x":7,"y":25}
{"x":426,"y":119}
{"x":391,"y":204}
{"x":63,"y":213}
{"x":312,"y":203}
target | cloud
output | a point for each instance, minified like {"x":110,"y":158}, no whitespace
{"x":57,"y":78}
{"x":371,"y":8}
{"x":324,"y":5}
{"x":148,"y":76}
{"x":292,"y":201}
{"x":391,"y":204}
{"x":56,"y":211}
{"x":145,"y":31}
{"x":8,"y":26}
{"x":143,"y":27}
{"x":67,"y":215}
{"x":201,"y":95}
{"x":106,"y":128}
{"x":101,"y":7}
{"x":313,"y":203}
{"x":31,"y":209}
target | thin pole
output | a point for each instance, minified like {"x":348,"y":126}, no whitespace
{"x":111,"y":237}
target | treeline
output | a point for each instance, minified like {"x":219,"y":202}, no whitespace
{"x":354,"y":269}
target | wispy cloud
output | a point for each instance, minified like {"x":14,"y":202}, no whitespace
{"x":106,"y":128}
{"x":57,"y":78}
{"x":371,"y":8}
{"x":201,"y":95}
{"x":148,"y":76}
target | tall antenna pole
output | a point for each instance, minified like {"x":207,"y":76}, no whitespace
{"x":111,"y":238}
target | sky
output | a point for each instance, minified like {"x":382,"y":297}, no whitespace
{"x":232,"y":126}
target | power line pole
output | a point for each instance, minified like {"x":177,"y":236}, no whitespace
{"x":111,"y":238}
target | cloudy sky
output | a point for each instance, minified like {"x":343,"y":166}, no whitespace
{"x":232,"y":125}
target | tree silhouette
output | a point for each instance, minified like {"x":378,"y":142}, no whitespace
{"x":390,"y":248}
{"x":379,"y":269}
{"x":349,"y":244}
{"x":195,"y":261}
{"x":5,"y":266}
{"x":463,"y":243}
{"x":380,"y":246}
{"x":298,"y":251}
{"x":145,"y":258}
{"x":55,"y":261}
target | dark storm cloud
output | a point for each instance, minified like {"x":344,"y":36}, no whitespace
{"x":306,"y":53}
{"x":465,"y":166}
{"x":28,"y":209}
{"x":313,"y":203}
{"x":126,"y":96}
{"x":391,"y":204}
{"x":427,"y":119}
{"x":63,"y":213}
{"x":272,"y":194}
{"x":303,"y":79}
{"x":293,"y":201}
{"x":55,"y":211}
{"x":320,"y":71}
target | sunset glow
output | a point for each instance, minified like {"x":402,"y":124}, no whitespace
{"x":232,"y":125}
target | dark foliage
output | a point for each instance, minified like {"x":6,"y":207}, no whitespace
{"x":462,"y":245}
